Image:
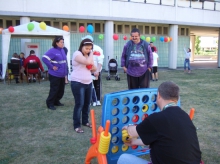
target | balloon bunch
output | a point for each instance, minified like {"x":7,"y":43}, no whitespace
{"x":165,"y":39}
{"x":148,"y":39}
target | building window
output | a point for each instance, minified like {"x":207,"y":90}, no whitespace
{"x":47,"y":23}
{"x":153,"y":30}
{"x":89,"y":24}
{"x":159,"y":30}
{"x":133,"y":26}
{"x":64,"y":23}
{"x":187,"y":32}
{"x":119,"y":28}
{"x":147,"y":30}
{"x":127,"y":29}
{"x":97,"y":27}
{"x":8,"y":23}
{"x":103,"y":25}
{"x":1,"y":23}
{"x":17,"y":22}
{"x":56,"y":24}
{"x":165,"y":30}
{"x":114,"y":29}
{"x":73,"y":26}
{"x":182,"y":31}
{"x":141,"y":29}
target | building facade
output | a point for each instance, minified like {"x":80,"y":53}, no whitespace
{"x":154,"y":18}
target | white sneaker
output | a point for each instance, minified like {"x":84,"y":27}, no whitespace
{"x":98,"y":103}
{"x":94,"y":104}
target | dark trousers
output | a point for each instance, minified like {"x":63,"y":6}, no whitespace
{"x":57,"y":86}
{"x":98,"y":87}
{"x":82,"y":94}
{"x":139,"y":82}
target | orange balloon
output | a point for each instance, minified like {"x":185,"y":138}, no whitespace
{"x":1,"y":29}
{"x":171,"y":39}
{"x":65,"y":28}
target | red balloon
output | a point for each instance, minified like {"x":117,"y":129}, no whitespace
{"x":11,"y":29}
{"x":81,"y":29}
{"x":115,"y":37}
{"x":165,"y":39}
{"x":125,"y":37}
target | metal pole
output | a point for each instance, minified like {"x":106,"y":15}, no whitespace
{"x":160,"y":2}
{"x":214,"y":6}
{"x":190,"y":3}
{"x":202,"y":4}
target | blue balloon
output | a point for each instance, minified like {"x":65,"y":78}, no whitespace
{"x":90,"y":28}
{"x":161,"y":39}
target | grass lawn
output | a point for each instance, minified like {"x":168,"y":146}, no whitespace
{"x":32,"y":134}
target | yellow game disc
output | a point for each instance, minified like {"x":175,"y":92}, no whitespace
{"x":124,"y":147}
{"x":114,"y":149}
{"x":145,"y":108}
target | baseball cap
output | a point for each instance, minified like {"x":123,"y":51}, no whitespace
{"x":88,"y":37}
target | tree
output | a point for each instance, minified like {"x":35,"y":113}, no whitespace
{"x":197,"y":45}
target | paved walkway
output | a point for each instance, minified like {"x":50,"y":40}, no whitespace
{"x":201,"y":64}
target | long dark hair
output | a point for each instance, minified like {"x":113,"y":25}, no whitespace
{"x":85,"y":42}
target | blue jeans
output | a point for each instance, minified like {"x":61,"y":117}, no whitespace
{"x":82,"y":94}
{"x":186,"y":62}
{"x":131,"y":159}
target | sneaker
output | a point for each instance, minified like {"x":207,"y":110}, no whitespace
{"x":29,"y":80}
{"x":98,"y":103}
{"x":152,"y":79}
{"x":156,"y":79}
{"x":94,"y":104}
{"x":34,"y":80}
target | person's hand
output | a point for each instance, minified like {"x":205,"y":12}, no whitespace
{"x":96,"y":74}
{"x":131,"y":142}
{"x":55,"y":68}
{"x":125,"y":69}
{"x":149,"y":69}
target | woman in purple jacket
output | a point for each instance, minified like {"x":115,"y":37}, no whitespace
{"x":55,"y":59}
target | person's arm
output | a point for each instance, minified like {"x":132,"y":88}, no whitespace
{"x":83,"y":60}
{"x":131,"y":129}
{"x":184,"y":50}
{"x":123,"y":59}
{"x":48,"y":56}
{"x":150,"y":58}
{"x":133,"y":135}
{"x":40,"y":65}
{"x":98,"y":70}
{"x":134,"y":141}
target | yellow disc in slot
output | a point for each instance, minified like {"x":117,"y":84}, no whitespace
{"x":145,"y":108}
{"x":124,"y":147}
{"x":114,"y":149}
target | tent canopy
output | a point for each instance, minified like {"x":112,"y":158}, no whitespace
{"x":22,"y":30}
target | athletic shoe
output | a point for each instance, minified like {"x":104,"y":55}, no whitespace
{"x":98,"y":103}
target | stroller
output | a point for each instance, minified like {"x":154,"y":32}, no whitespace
{"x":112,"y":70}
